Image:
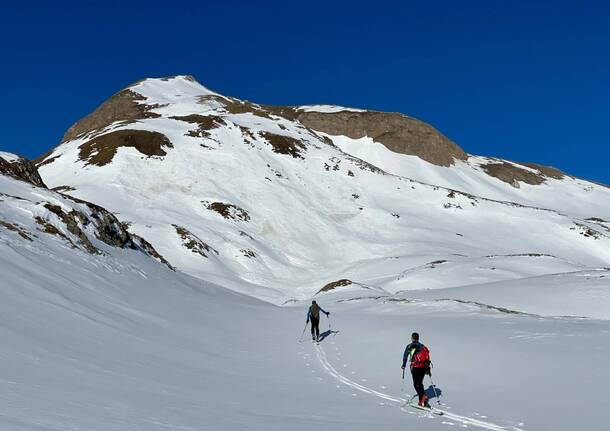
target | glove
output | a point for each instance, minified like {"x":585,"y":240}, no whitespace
{"x":327,"y":313}
{"x":429,"y":372}
{"x":307,"y":322}
{"x":403,"y":367}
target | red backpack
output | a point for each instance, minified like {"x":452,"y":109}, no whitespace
{"x":421,"y":358}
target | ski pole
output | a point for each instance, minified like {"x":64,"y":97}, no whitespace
{"x":303,"y":333}
{"x":328,"y":318}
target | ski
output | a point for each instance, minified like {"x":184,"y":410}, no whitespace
{"x":429,"y":409}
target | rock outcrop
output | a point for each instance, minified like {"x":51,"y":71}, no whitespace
{"x":124,"y":106}
{"x":399,"y":133}
{"x":72,"y":220}
{"x":23,"y":170}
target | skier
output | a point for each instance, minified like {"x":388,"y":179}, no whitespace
{"x":313,"y":314}
{"x":420,"y":366}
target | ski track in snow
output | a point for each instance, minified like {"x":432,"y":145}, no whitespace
{"x":447,"y":416}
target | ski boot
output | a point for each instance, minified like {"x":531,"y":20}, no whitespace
{"x":423,"y":401}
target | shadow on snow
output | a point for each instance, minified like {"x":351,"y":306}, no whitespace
{"x":323,"y":335}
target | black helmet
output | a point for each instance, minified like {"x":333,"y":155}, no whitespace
{"x":313,"y":302}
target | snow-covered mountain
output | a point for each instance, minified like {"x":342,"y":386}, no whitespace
{"x":99,"y":334}
{"x":115,"y":312}
{"x":276,"y":202}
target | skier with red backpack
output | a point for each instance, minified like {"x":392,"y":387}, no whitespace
{"x":420,"y":366}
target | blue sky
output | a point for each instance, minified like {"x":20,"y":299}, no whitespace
{"x":526,"y":81}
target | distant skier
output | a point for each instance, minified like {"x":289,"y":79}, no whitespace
{"x":420,"y":366}
{"x":313,"y":314}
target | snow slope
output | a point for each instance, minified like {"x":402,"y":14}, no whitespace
{"x":510,"y":370}
{"x":121,"y":342}
{"x":578,"y":293}
{"x":244,"y":196}
{"x":118,"y":341}
{"x":569,"y":195}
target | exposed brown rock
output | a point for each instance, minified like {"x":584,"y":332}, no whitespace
{"x":101,"y":150}
{"x":248,"y":253}
{"x":45,"y":159}
{"x":14,"y":228}
{"x":23,"y":170}
{"x":63,"y":189}
{"x":449,"y":205}
{"x":333,"y":285}
{"x":123,"y":106}
{"x":397,"y":132}
{"x":548,"y":171}
{"x":287,"y":112}
{"x":193,"y":243}
{"x":332,"y":164}
{"x":236,"y":106}
{"x":108,"y":229}
{"x":513,"y":174}
{"x":247,"y":235}
{"x":228,"y":211}
{"x":52,"y":230}
{"x":72,"y":220}
{"x":520,"y":255}
{"x":586,"y":231}
{"x":205,"y":123}
{"x":487,"y":306}
{"x":284,"y":144}
{"x":147,"y":247}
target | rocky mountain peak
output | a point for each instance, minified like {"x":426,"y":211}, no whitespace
{"x":160,"y":97}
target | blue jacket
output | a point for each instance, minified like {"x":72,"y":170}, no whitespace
{"x":410,"y":351}
{"x":309,"y":312}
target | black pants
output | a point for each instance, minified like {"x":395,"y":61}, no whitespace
{"x":315,"y":327}
{"x":418,"y":375}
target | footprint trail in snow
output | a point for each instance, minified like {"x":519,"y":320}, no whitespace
{"x":447,"y":416}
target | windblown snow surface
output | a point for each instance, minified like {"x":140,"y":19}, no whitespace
{"x":512,"y":299}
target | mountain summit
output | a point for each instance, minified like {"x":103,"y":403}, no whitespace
{"x":279,"y":201}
